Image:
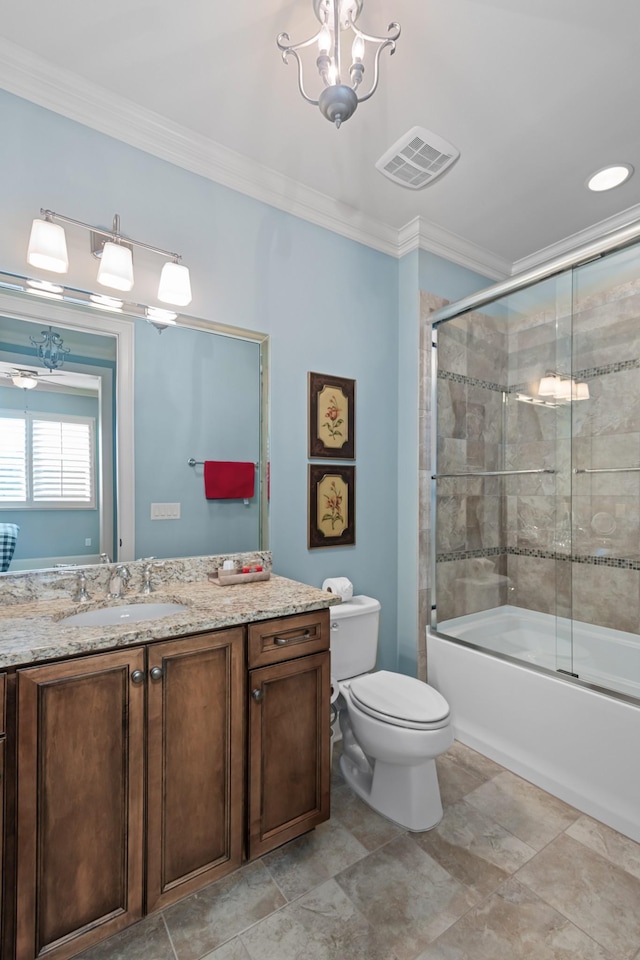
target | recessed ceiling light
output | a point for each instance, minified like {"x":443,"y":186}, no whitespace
{"x":610,"y":177}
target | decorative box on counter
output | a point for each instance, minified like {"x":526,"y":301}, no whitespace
{"x":224,"y":578}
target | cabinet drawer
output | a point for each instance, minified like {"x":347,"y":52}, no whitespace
{"x":3,"y":688}
{"x":288,"y":637}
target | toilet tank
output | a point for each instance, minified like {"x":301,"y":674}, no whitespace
{"x":354,"y":637}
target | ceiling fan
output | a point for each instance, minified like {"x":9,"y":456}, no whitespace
{"x":26,"y":378}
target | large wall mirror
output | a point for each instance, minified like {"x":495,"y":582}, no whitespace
{"x":98,"y":457}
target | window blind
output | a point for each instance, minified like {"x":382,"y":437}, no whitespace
{"x":61,"y":461}
{"x":13,"y":459}
{"x":47,"y":461}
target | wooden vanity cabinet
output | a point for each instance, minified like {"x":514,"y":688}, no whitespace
{"x":88,"y":864}
{"x":289,"y":729}
{"x":195,"y":757}
{"x":80,"y":802}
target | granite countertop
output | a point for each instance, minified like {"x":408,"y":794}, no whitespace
{"x":32,"y":632}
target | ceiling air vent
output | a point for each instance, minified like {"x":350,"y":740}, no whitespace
{"x":417,"y":159}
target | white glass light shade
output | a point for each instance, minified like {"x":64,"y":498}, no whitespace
{"x":158,"y":315}
{"x":564,"y":390}
{"x":106,"y":303}
{"x":48,"y":247}
{"x":175,"y":284}
{"x":116,"y":267}
{"x":548,"y":387}
{"x":25,"y":380}
{"x":581,"y":391}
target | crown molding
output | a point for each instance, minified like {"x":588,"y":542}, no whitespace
{"x":423,"y":235}
{"x":593,"y":233}
{"x":33,"y":78}
{"x":27,"y":75}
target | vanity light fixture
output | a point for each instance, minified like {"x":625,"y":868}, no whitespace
{"x":44,"y":288}
{"x":48,"y":245}
{"x":339,"y":97}
{"x":563,"y":388}
{"x":106,"y":303}
{"x":609,"y":177}
{"x":159,"y":318}
{"x":48,"y":251}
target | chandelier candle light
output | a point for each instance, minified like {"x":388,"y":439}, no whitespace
{"x":48,"y":251}
{"x":339,"y":98}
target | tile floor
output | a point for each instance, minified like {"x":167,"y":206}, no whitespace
{"x":511,"y":872}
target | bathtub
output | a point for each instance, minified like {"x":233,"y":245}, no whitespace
{"x":569,"y":738}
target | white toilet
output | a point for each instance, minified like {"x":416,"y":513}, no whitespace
{"x":393,"y":726}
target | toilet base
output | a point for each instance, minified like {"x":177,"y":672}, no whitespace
{"x":407,"y":795}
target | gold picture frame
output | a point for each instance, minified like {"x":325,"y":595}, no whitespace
{"x":331,"y":417}
{"x":332,"y":505}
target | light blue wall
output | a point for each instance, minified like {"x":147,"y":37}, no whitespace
{"x":448,"y":280}
{"x":47,"y":533}
{"x":197,"y":396}
{"x":330,"y":305}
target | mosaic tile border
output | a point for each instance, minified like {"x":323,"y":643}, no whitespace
{"x":620,"y":563}
{"x":589,"y":373}
{"x":470,"y":381}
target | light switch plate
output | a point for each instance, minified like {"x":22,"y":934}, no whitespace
{"x":165,"y":511}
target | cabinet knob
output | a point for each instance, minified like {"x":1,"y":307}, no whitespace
{"x":156,"y":673}
{"x":137,"y":676}
{"x":257,"y":695}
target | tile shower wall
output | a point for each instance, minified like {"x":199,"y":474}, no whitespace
{"x":562,"y":543}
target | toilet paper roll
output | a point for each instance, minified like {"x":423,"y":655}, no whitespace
{"x":340,"y":586}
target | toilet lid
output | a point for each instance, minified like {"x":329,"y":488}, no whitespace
{"x":399,"y":700}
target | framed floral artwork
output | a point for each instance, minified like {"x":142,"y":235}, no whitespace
{"x":331,"y":417}
{"x":332,"y":505}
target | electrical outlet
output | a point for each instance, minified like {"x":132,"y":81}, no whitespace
{"x":87,"y":542}
{"x":165,"y":511}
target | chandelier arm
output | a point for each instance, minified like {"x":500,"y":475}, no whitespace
{"x":292,"y":47}
{"x":376,"y":68}
{"x":293,"y":50}
{"x":394,"y":30}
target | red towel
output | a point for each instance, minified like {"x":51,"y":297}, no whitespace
{"x":227,"y":480}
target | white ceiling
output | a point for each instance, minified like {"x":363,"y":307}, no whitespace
{"x":536,"y":95}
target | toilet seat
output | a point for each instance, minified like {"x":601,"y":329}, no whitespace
{"x":399,"y":700}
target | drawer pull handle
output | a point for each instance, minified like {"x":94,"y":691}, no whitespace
{"x":137,"y":676}
{"x":257,"y":695}
{"x":156,"y":673}
{"x":281,"y":640}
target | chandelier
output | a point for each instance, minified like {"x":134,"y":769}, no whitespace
{"x":340,"y":96}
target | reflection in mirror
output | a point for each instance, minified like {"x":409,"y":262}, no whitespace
{"x":154,"y":401}
{"x":57,"y":455}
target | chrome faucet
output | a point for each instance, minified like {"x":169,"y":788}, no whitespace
{"x":118,"y":582}
{"x":81,"y":594}
{"x":146,"y":575}
{"x":105,"y":558}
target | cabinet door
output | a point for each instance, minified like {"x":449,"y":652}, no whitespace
{"x":80,"y":802}
{"x":289,"y":735}
{"x":195,"y":763}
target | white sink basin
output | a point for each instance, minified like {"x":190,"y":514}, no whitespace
{"x":126,"y":613}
